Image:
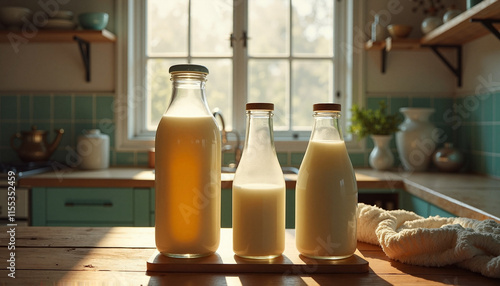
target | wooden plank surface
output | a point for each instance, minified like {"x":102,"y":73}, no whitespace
{"x":115,"y":237}
{"x":43,"y":277}
{"x":225,"y":261}
{"x":110,"y":263}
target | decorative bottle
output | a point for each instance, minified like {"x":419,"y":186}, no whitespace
{"x":187,"y":169}
{"x":326,"y":191}
{"x":259,"y":190}
{"x":378,"y":31}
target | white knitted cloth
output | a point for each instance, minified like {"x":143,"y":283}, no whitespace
{"x":433,"y":241}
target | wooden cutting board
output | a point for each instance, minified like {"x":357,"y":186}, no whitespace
{"x":225,"y":261}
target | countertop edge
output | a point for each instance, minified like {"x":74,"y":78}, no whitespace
{"x":366,"y":179}
{"x":447,"y":203}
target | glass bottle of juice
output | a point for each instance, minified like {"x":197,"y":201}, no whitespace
{"x":188,"y":169}
{"x":259,"y":190}
{"x":326,"y":191}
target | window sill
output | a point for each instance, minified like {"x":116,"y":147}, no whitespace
{"x":281,"y":145}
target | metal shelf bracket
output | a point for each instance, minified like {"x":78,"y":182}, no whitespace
{"x":488,"y":24}
{"x":457,"y":71}
{"x":85,"y":52}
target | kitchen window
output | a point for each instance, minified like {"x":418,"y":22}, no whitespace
{"x":290,"y":52}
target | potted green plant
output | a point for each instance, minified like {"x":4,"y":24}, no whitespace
{"x":380,"y":126}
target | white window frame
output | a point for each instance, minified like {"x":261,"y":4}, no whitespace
{"x":130,"y":85}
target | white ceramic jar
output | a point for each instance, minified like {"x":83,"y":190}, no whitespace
{"x":93,"y":150}
{"x":415,"y":140}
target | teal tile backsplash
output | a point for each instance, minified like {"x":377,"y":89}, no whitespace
{"x":394,"y":103}
{"x":470,"y":122}
{"x":42,"y":108}
{"x":479,"y":131}
{"x":8,"y":108}
{"x":74,"y":113}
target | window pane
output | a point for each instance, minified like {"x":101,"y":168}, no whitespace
{"x":268,"y":81}
{"x":159,"y":89}
{"x":312,"y":27}
{"x":167,"y":27}
{"x":312,"y":82}
{"x":268,"y":27}
{"x":219,"y":87}
{"x":211,"y":26}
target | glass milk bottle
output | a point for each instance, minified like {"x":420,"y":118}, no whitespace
{"x":259,"y":190}
{"x":188,"y":169}
{"x":326,"y":191}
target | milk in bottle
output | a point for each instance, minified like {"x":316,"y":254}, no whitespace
{"x":259,"y":190}
{"x":326,"y":191}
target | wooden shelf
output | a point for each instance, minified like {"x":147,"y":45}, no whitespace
{"x":394,"y":44}
{"x":456,"y":32}
{"x":374,"y":46}
{"x":60,"y":36}
{"x":461,"y":30}
{"x":472,"y":24}
{"x":82,"y":37}
{"x":402,"y":44}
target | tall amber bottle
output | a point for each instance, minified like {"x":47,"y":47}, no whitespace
{"x":188,"y":169}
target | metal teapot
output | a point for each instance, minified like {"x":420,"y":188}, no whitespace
{"x":34,"y":146}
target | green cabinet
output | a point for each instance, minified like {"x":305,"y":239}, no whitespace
{"x":91,"y":207}
{"x":423,"y":208}
{"x":136,"y":206}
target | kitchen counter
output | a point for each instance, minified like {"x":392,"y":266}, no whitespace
{"x":118,"y":255}
{"x":464,"y":195}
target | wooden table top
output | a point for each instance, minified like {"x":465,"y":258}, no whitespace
{"x":118,"y":255}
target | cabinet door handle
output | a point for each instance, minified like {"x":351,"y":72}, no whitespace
{"x":88,"y":204}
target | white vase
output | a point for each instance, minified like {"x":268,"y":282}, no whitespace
{"x":430,"y":23}
{"x":415,"y":141}
{"x":450,"y":14}
{"x":381,"y":157}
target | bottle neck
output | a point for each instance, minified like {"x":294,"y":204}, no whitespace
{"x":259,"y":132}
{"x":326,"y":126}
{"x":188,"y":95}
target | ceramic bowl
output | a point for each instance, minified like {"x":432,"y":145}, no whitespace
{"x":62,"y":15}
{"x":399,"y":31}
{"x":93,"y":21}
{"x":12,"y":17}
{"x":59,"y":24}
